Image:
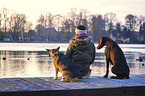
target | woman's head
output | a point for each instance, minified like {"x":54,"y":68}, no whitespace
{"x":80,"y":29}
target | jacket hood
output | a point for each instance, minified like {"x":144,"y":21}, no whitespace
{"x":80,"y":41}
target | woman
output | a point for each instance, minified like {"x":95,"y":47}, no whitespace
{"x":81,"y":51}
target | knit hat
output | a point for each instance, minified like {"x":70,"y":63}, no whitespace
{"x":80,"y":29}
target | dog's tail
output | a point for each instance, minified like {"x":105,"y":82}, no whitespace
{"x":86,"y":76}
{"x":75,"y":79}
{"x":69,"y":77}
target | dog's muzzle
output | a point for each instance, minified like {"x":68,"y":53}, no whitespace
{"x":99,"y":47}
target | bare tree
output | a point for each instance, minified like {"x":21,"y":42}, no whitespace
{"x":110,"y":18}
{"x":66,"y":27}
{"x":98,"y":26}
{"x":144,"y":31}
{"x":28,"y":26}
{"x":77,"y":18}
{"x":58,"y":21}
{"x":141,"y":20}
{"x":72,"y":18}
{"x":50,"y":20}
{"x":42,"y":20}
{"x":81,"y":16}
{"x":131,"y":24}
{"x":1,"y":35}
{"x":18,"y":22}
{"x":5,"y":18}
{"x":46,"y":20}
{"x":0,"y":21}
{"x":118,"y":30}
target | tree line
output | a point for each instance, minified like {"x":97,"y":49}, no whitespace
{"x":57,"y":27}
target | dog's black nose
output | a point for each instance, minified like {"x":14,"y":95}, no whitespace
{"x":98,"y":47}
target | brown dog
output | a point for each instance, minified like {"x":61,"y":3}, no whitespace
{"x":62,"y":63}
{"x":115,"y":56}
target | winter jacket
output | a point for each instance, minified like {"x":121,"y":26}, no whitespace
{"x":82,"y":53}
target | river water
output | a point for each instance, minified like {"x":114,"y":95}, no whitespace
{"x":32,"y":59}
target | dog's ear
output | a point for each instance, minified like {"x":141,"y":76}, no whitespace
{"x":101,"y":43}
{"x":101,"y":40}
{"x":103,"y":37}
{"x":58,"y":48}
{"x":47,"y":49}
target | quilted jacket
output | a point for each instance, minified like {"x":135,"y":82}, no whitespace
{"x":82,"y":53}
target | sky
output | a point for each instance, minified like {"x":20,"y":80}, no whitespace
{"x":33,"y":8}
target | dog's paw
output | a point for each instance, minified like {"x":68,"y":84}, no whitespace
{"x":105,"y":76}
{"x":55,"y":78}
{"x":63,"y":80}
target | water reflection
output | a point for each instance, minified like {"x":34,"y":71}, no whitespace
{"x":39,"y":64}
